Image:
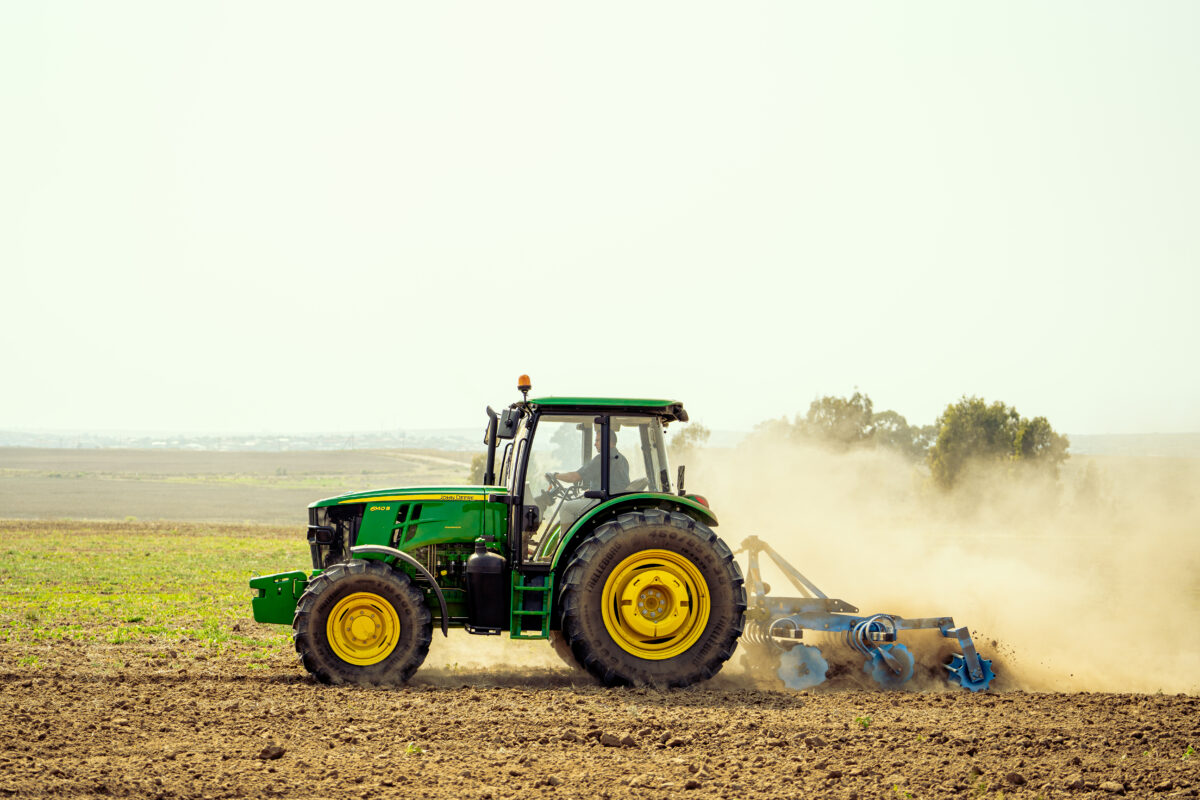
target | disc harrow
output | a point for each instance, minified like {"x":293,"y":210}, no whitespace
{"x":802,"y":666}
{"x":776,"y":625}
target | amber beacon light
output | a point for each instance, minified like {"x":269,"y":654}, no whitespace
{"x":523,"y":386}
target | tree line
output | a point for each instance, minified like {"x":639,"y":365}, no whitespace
{"x":969,"y":431}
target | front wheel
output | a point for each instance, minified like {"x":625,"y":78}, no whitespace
{"x":362,"y":622}
{"x":652,"y":597}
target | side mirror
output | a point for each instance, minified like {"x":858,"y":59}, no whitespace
{"x":489,"y":434}
{"x":489,"y":438}
{"x":506,"y":426}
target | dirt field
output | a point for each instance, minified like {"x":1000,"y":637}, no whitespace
{"x":129,"y":667}
{"x":211,"y":728}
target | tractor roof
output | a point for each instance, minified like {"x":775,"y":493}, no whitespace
{"x":670,"y":409}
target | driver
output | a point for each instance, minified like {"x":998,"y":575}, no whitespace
{"x":589,"y":476}
{"x":589,"y":473}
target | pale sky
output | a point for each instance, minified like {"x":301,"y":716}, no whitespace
{"x":295,"y":217}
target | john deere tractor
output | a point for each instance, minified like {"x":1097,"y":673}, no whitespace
{"x":576,"y":535}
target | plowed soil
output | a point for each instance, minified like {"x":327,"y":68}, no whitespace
{"x":214,"y":729}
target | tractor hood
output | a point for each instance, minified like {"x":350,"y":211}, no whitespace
{"x":428,"y":493}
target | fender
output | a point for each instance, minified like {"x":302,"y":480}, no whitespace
{"x":682,"y":504}
{"x":381,"y":550}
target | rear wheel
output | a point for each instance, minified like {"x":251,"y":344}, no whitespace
{"x":362,"y":622}
{"x":652,"y":597}
{"x":563,"y":650}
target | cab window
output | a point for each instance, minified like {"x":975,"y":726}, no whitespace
{"x":640,"y":441}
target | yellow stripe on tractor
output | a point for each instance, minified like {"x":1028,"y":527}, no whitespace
{"x":444,"y":498}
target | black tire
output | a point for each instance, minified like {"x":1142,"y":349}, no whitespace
{"x":599,"y":556}
{"x":322,"y":595}
{"x":563,"y":650}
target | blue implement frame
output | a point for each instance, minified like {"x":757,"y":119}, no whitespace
{"x":783,"y":620}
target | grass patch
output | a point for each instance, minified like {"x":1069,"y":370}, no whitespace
{"x":134,"y":583}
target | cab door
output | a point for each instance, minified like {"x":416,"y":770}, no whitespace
{"x":560,"y":467}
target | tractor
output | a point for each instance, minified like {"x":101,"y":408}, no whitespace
{"x":577,"y":535}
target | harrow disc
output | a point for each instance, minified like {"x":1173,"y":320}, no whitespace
{"x":881,"y":672}
{"x":802,"y":667}
{"x":958,"y":673}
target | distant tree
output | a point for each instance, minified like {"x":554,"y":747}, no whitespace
{"x":778,"y":430}
{"x":891,"y":430}
{"x":840,"y":420}
{"x":849,"y":422}
{"x":973,"y":430}
{"x":478,"y":465}
{"x":1094,"y":490}
{"x":1037,"y":441}
{"x":688,"y":439}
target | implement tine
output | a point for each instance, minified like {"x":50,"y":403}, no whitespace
{"x":970,"y":655}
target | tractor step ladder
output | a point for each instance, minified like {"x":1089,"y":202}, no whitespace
{"x":517,"y":603}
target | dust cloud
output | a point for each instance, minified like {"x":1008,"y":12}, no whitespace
{"x":1084,"y":583}
{"x":463,"y":659}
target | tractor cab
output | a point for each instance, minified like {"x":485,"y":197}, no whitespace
{"x":569,"y":456}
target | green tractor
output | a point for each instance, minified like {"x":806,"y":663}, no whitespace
{"x":576,"y":535}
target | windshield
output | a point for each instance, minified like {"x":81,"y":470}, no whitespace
{"x":566,"y":444}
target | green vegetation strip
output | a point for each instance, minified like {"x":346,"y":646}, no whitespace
{"x":281,"y":480}
{"x":139,"y":582}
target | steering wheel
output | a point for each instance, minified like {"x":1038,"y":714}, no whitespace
{"x":558,"y":489}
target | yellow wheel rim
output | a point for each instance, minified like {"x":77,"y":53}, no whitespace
{"x":363,"y":628}
{"x":655,"y":604}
